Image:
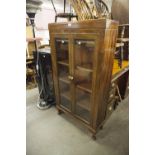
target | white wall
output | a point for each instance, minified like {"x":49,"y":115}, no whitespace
{"x":44,"y":16}
{"x":109,"y":3}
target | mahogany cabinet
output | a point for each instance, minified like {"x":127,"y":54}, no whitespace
{"x":82,"y":59}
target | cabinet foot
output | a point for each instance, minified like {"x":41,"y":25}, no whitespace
{"x":59,"y":112}
{"x":101,"y":127}
{"x":115,"y":105}
{"x":94,"y":137}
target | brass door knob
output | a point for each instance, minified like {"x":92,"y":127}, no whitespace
{"x":70,"y":77}
{"x":110,"y":108}
{"x":113,"y":85}
{"x":111,"y":95}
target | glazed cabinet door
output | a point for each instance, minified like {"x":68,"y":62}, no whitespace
{"x":63,"y":59}
{"x":83,"y":73}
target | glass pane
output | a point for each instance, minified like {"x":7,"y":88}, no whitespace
{"x":63,"y":72}
{"x":65,"y":94}
{"x":62,"y":52}
{"x":83,"y":104}
{"x":83,"y":69}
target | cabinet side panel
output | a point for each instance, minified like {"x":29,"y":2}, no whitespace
{"x":105,"y":64}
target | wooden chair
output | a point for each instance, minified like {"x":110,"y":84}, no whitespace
{"x":122,"y":43}
{"x":30,"y":75}
{"x":68,"y":16}
{"x":82,"y":9}
{"x":90,"y":10}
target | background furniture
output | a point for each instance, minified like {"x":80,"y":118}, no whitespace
{"x":68,"y":16}
{"x":32,"y":45}
{"x":90,"y":9}
{"x":82,"y":9}
{"x":122,"y":51}
{"x":120,"y":11}
{"x":30,"y":71}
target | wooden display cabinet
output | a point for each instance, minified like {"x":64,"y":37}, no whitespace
{"x":82,"y":61}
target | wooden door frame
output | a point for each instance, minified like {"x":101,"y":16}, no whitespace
{"x":53,"y":37}
{"x":94,"y":37}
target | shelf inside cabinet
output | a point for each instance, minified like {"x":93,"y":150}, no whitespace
{"x":64,"y":62}
{"x":64,"y":79}
{"x":85,"y":86}
{"x":85,"y":42}
{"x":85,"y":67}
{"x":66,"y":94}
{"x":62,"y":41}
{"x":84,"y":103}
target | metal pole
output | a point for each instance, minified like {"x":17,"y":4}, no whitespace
{"x":64,"y":5}
{"x":54,"y":7}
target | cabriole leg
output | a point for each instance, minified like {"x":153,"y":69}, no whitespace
{"x":101,"y":127}
{"x":59,"y":112}
{"x":94,"y":136}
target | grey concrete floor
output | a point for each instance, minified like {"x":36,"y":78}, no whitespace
{"x":51,"y":134}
